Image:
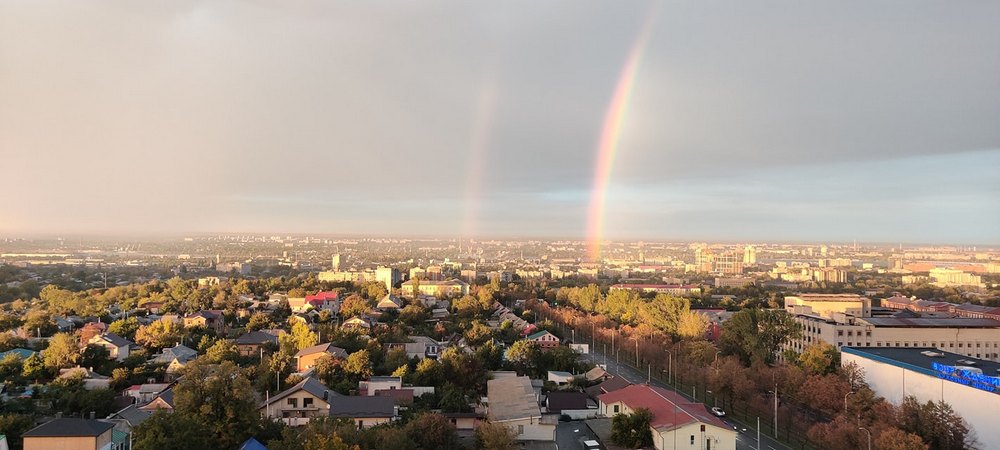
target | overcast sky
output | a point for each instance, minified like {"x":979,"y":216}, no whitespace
{"x":750,"y":120}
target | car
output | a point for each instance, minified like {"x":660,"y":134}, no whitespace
{"x":718,"y":411}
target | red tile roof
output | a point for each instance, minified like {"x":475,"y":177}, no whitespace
{"x":670,"y":410}
{"x":322,"y":296}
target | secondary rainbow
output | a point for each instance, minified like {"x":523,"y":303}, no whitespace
{"x":607,"y":147}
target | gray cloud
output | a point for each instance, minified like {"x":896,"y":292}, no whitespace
{"x":340,"y":117}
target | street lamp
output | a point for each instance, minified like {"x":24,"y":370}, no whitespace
{"x":869,"y":437}
{"x":845,"y":400}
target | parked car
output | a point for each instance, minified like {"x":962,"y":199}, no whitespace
{"x":718,"y":411}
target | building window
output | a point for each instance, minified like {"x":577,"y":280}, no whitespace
{"x":840,"y":332}
{"x":616,"y":409}
{"x":692,"y":439}
{"x":293,"y":402}
{"x":520,"y":428}
{"x":307,"y":402}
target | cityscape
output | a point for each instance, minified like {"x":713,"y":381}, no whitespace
{"x":649,"y":224}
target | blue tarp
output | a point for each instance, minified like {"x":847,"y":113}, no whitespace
{"x":252,"y":444}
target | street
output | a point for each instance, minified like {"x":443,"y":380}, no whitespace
{"x":746,"y":438}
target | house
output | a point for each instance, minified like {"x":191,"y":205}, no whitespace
{"x":91,"y":380}
{"x":374,"y":384}
{"x":365,"y":411}
{"x":298,"y":404}
{"x":400,"y":397}
{"x":117,"y":346}
{"x":153,"y":307}
{"x":250,"y":344}
{"x":464,"y":422}
{"x":412,"y":288}
{"x":176,"y":358}
{"x":163,"y":401}
{"x":306,"y":358}
{"x":324,"y":300}
{"x":597,"y":374}
{"x":209,"y":319}
{"x":544,"y":339}
{"x":298,"y":304}
{"x":90,"y":330}
{"x":145,"y":393}
{"x":557,"y":401}
{"x":22,"y":353}
{"x":676,"y":423}
{"x":513,"y":403}
{"x":389,"y":302}
{"x":559,"y":377}
{"x":608,"y":385}
{"x":75,"y":434}
{"x":357,"y":323}
{"x":419,"y":347}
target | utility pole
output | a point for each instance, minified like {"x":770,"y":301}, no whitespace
{"x":758,"y":432}
{"x":776,"y":410}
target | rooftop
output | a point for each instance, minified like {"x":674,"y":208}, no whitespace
{"x":512,"y":398}
{"x":366,"y":406}
{"x":70,"y":428}
{"x":935,"y":363}
{"x":931,"y":322}
{"x":670,"y":410}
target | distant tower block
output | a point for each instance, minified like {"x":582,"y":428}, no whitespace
{"x":218,"y":258}
{"x":336,"y":262}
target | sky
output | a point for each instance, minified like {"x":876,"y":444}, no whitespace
{"x":748,"y":121}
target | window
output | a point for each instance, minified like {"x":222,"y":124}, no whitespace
{"x":616,"y":409}
{"x":692,"y":439}
{"x":840,"y":332}
{"x":307,"y":402}
{"x":293,"y":402}
{"x":520,"y":428}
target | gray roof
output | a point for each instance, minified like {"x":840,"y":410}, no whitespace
{"x":922,"y":359}
{"x":70,"y":428}
{"x":931,"y":322}
{"x":328,"y":348}
{"x":363,"y":407}
{"x":132,"y":414}
{"x":115,"y":339}
{"x":310,"y":385}
{"x":557,"y":401}
{"x":512,"y":398}
{"x":179,"y":352}
{"x":256,"y":337}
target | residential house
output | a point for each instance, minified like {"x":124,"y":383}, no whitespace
{"x":608,"y":385}
{"x":145,"y":393}
{"x":558,"y":401}
{"x":209,"y":319}
{"x":365,"y":411}
{"x":21,"y":353}
{"x":250,"y":343}
{"x":91,"y":380}
{"x":389,"y":303}
{"x":412,"y":288}
{"x":176,"y":358}
{"x":512,"y":402}
{"x":544,"y":339}
{"x":70,"y":434}
{"x":324,"y":300}
{"x":298,"y":404}
{"x":164,"y":401}
{"x":357,"y":323}
{"x":370,"y":386}
{"x":677,"y":423}
{"x":419,"y":347}
{"x":560,"y":378}
{"x":306,"y":358}
{"x":91,"y":329}
{"x":117,"y":346}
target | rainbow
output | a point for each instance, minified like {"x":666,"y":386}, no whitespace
{"x":607,"y":148}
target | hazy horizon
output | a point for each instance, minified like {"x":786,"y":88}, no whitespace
{"x":762,"y":122}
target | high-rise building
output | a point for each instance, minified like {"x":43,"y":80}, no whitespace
{"x":703,"y":259}
{"x":750,"y":255}
{"x":388,"y":276}
{"x":729,"y":263}
{"x":954,"y":277}
{"x":336,"y":262}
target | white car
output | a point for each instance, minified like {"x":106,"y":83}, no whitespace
{"x":718,"y":411}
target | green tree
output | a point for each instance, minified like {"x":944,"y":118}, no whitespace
{"x":359,"y":364}
{"x":39,"y":322}
{"x":61,"y":352}
{"x":355,"y":305}
{"x":222,"y":350}
{"x":820,"y":358}
{"x":523,"y":355}
{"x":374,"y":289}
{"x":34,"y":368}
{"x":632,"y":430}
{"x":478,"y":334}
{"x":172,"y":430}
{"x":259,"y":321}
{"x":757,"y":334}
{"x":159,"y":334}
{"x":14,"y":425}
{"x":220,"y":396}
{"x":125,"y":328}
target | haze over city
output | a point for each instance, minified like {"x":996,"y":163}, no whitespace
{"x":741,"y":121}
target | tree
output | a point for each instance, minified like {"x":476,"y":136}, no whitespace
{"x":896,"y":439}
{"x":820,"y":358}
{"x":221,"y":397}
{"x":355,"y":305}
{"x":757,"y":334}
{"x":523,"y":355}
{"x":98,"y":357}
{"x":430,"y":430}
{"x":61,"y":352}
{"x":495,"y":436}
{"x":39,"y":322}
{"x":632,"y":430}
{"x":374,"y":289}
{"x":478,"y":334}
{"x":359,"y":364}
{"x":259,"y":321}
{"x":222,"y":350}
{"x":692,"y":325}
{"x":937,"y":423}
{"x":125,"y":328}
{"x":14,"y":425}
{"x":172,"y":430}
{"x":34,"y":368}
{"x":159,"y":334}
{"x":301,"y":336}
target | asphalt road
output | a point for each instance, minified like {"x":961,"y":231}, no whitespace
{"x":746,"y":438}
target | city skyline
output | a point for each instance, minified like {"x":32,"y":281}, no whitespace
{"x":746,"y":123}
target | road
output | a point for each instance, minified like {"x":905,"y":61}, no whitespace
{"x":746,"y":437}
